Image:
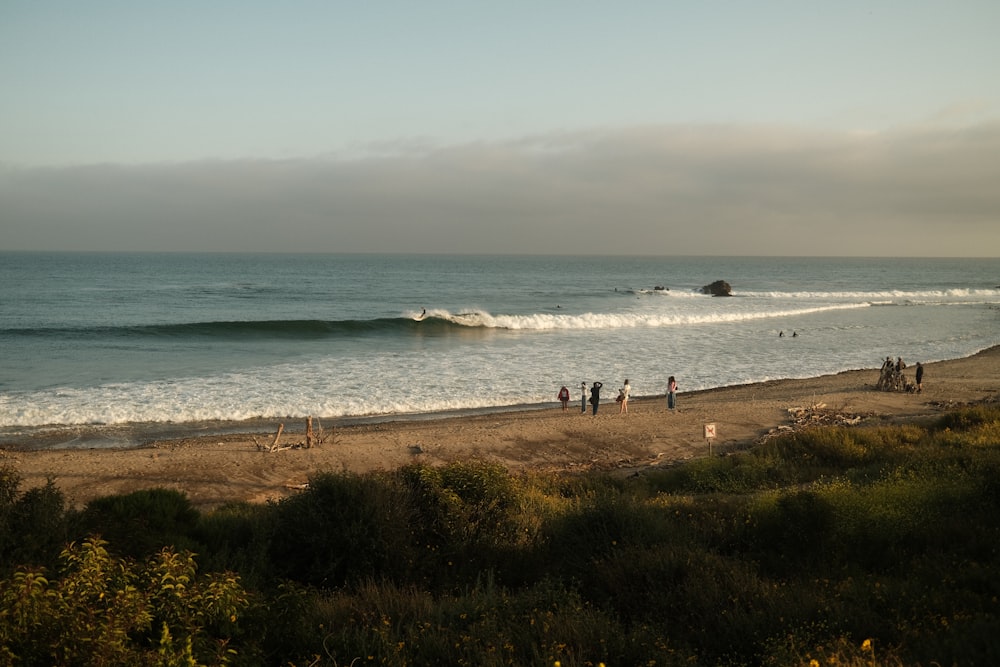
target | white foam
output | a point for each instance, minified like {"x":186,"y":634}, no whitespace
{"x":519,"y":350}
{"x":723,"y":341}
{"x":987,"y":295}
{"x":546,"y":321}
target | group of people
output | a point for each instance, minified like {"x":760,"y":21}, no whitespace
{"x":593,"y":396}
{"x":891,"y":377}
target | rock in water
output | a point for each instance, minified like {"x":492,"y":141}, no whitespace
{"x":718,"y":288}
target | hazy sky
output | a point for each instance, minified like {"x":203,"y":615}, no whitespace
{"x":761,"y":128}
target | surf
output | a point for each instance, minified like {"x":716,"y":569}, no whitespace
{"x":590,"y":320}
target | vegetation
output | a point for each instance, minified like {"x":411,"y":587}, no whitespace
{"x":832,"y":546}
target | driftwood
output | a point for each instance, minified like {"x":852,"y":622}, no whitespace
{"x":274,"y":443}
{"x":812,"y":416}
{"x":321,"y":437}
{"x":314,"y":437}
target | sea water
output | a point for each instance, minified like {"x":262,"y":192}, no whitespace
{"x":119,"y":348}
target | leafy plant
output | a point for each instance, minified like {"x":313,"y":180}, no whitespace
{"x":99,"y":610}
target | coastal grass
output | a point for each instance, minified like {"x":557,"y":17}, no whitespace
{"x":860,"y":545}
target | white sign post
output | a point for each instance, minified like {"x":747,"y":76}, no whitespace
{"x":709,"y":435}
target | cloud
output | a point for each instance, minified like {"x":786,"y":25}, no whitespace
{"x":647,"y":190}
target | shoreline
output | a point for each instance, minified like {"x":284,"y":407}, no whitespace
{"x":138,"y":435}
{"x":213,"y":469}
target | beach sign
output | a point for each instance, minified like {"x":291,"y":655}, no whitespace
{"x":709,"y":435}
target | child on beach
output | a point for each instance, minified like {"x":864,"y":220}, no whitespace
{"x":671,"y":393}
{"x":564,"y":398}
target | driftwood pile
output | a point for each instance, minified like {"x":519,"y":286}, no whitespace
{"x":313,"y":438}
{"x":811,"y":417}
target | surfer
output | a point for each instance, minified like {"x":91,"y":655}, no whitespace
{"x":424,"y":312}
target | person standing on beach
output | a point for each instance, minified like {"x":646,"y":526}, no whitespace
{"x":671,"y":393}
{"x":920,"y":377}
{"x":583,"y":397}
{"x":595,"y":396}
{"x":625,"y":391}
{"x":564,"y":398}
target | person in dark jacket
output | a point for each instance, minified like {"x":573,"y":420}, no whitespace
{"x":595,"y":396}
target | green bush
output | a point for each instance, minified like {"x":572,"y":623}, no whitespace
{"x":796,"y":532}
{"x":237,"y":537}
{"x":850,"y":546}
{"x":142,"y":522}
{"x":597,"y":526}
{"x":971,"y":418}
{"x":33,"y":524}
{"x":101,"y":611}
{"x":469,"y":517}
{"x":343,"y":528}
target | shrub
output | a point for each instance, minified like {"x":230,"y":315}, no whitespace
{"x":143,"y":522}
{"x":788,"y":553}
{"x":730,"y":474}
{"x":470,"y":502}
{"x":344,"y":527}
{"x":101,"y":611}
{"x":969,"y":418}
{"x":468,"y":517}
{"x":33,"y":525}
{"x":796,"y":532}
{"x":237,"y":537}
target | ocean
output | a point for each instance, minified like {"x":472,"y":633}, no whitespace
{"x":118,"y":349}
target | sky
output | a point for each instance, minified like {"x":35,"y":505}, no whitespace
{"x":787,"y":128}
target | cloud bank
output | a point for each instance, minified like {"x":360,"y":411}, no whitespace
{"x":677,"y":190}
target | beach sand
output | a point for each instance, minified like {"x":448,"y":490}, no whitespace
{"x":214,"y":470}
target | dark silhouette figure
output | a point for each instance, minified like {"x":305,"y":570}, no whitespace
{"x":595,"y":396}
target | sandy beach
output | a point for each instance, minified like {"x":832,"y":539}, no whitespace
{"x":214,"y":470}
